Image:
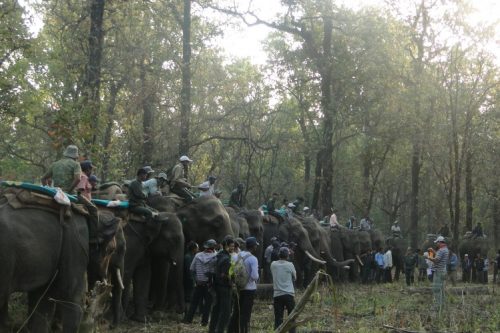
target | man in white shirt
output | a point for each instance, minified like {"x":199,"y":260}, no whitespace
{"x":388,"y":265}
{"x":284,"y":274}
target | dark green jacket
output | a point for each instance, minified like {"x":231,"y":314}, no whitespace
{"x":135,"y":195}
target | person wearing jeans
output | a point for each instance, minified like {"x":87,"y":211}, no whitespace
{"x":440,"y":262}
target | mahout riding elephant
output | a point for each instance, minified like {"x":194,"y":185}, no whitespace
{"x":45,"y":252}
{"x":160,"y":241}
{"x":398,"y":249}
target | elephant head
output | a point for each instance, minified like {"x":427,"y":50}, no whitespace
{"x":238,"y":224}
{"x":472,"y":247}
{"x":293,"y":231}
{"x":255,"y":228}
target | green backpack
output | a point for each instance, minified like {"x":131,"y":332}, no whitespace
{"x":238,"y":272}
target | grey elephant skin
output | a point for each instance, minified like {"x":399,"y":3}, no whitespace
{"x":47,"y":258}
{"x":160,"y":242}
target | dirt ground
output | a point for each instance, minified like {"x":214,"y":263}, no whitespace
{"x":359,"y":308}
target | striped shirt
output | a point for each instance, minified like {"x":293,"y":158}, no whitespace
{"x":203,"y":264}
{"x":441,"y":260}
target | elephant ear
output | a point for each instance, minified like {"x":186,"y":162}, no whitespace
{"x":108,"y":225}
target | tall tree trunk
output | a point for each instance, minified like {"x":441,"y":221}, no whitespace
{"x":186,"y":80}
{"x":109,"y":129}
{"x":328,"y":111}
{"x":496,"y":214}
{"x":147,"y":98}
{"x":415,"y":183}
{"x":317,"y":184}
{"x":92,"y":83}
{"x":469,"y":190}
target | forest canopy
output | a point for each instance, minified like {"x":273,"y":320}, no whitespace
{"x":391,"y":112}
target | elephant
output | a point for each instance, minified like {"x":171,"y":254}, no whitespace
{"x":108,"y":191}
{"x":238,"y":224}
{"x":398,"y":248}
{"x":205,"y":218}
{"x":377,"y":239}
{"x":320,"y":240}
{"x":255,"y":228}
{"x":45,"y":252}
{"x":160,"y":241}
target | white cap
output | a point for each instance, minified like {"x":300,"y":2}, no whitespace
{"x":291,"y":205}
{"x":204,"y":186}
{"x":305,"y":208}
{"x":184,"y":158}
{"x":440,"y":239}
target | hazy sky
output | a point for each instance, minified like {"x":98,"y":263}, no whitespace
{"x":246,"y":42}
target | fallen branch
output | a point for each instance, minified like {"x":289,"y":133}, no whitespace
{"x":403,"y":330}
{"x":472,"y":290}
{"x":290,"y":321}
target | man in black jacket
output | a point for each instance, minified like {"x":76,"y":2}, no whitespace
{"x":221,"y":311}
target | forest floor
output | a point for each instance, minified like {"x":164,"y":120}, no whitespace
{"x":359,"y":308}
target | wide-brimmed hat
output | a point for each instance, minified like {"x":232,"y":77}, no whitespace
{"x":148,"y":169}
{"x":71,"y":151}
{"x":305,"y":208}
{"x":291,"y":205}
{"x":204,"y":186}
{"x":184,"y":158}
{"x":162,"y":175}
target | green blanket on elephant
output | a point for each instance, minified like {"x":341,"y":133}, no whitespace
{"x":50,"y":191}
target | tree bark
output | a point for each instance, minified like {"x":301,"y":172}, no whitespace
{"x":415,"y":184}
{"x":109,"y":129}
{"x":147,"y":99}
{"x":469,"y":191}
{"x":92,"y":83}
{"x":186,"y":80}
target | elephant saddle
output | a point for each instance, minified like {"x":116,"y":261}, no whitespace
{"x":19,"y":198}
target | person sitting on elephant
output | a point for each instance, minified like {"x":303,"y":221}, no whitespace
{"x":297,"y":202}
{"x":477,"y":232}
{"x":84,"y":187}
{"x":396,"y":230}
{"x":204,"y":189}
{"x":351,"y":223}
{"x":289,"y":210}
{"x":211,"y":181}
{"x":137,"y":198}
{"x":178,"y":182}
{"x":93,"y":182}
{"x":221,"y":311}
{"x":365,"y":224}
{"x":271,"y":203}
{"x":334,"y":224}
{"x":64,"y":173}
{"x":153,"y":185}
{"x":202,"y":269}
{"x":444,"y":231}
{"x":236,"y":198}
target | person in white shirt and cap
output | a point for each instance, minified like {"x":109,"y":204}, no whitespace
{"x":154,"y":185}
{"x":289,"y":209}
{"x":396,"y":230}
{"x":305,"y":211}
{"x":204,"y":189}
{"x":179,"y":184}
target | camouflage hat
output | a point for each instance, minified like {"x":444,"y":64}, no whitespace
{"x":71,"y":151}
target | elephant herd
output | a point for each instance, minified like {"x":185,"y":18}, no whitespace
{"x":46,"y":253}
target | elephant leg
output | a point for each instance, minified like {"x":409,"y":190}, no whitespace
{"x":42,"y":311}
{"x":142,"y":279}
{"x":116,"y":301}
{"x":4,"y":313}
{"x":159,"y":280}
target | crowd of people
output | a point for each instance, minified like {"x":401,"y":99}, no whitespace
{"x":210,"y":278}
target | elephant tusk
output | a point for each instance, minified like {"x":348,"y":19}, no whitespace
{"x":315,"y":259}
{"x":119,"y":278}
{"x":359,"y":260}
{"x":347,"y":267}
